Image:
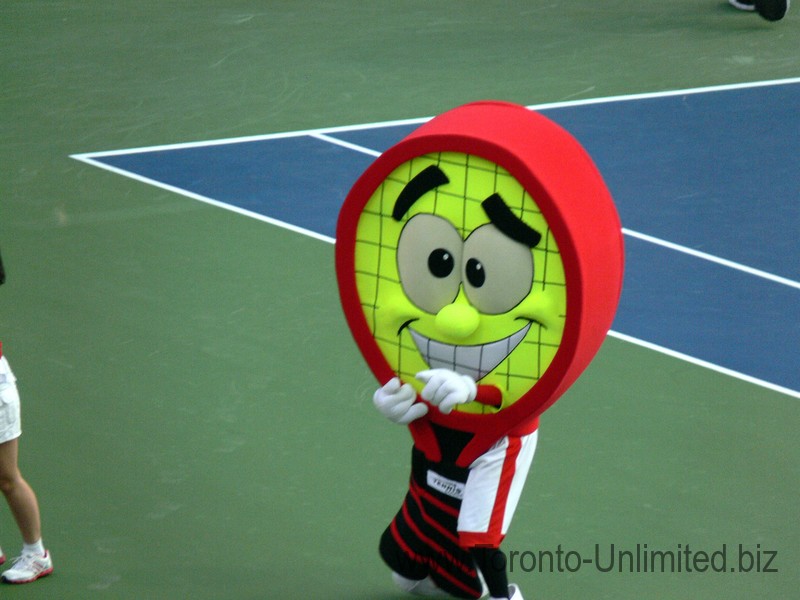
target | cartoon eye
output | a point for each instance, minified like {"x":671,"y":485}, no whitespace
{"x":498,"y":271}
{"x":476,"y":275}
{"x":429,"y":261}
{"x":440,"y":263}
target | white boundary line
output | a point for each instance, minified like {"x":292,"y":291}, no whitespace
{"x":417,"y":121}
{"x":253,"y":138}
{"x":669,"y":93}
{"x":711,"y":258}
{"x":171,"y":188}
{"x":323,"y":135}
{"x":705,"y":364}
{"x":343,"y":144}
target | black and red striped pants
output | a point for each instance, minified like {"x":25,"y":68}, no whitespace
{"x":422,"y":540}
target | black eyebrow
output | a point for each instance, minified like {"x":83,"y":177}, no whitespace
{"x":422,"y":183}
{"x":509,"y":223}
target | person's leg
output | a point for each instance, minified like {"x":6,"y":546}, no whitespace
{"x":492,"y":564}
{"x":19,"y":495}
{"x":35,"y":560}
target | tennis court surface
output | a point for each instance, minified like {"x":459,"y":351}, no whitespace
{"x":197,"y":419}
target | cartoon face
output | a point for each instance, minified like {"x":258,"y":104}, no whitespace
{"x":456,"y":268}
{"x":486,"y":242}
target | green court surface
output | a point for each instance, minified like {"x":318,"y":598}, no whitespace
{"x":197,"y":421}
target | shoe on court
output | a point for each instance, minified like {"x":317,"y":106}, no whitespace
{"x":419,"y":587}
{"x":514,"y":592}
{"x":29,"y":567}
{"x":772,"y":10}
{"x":749,"y":5}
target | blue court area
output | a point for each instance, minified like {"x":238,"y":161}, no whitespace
{"x":708,"y":194}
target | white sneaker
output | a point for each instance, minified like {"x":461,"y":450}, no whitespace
{"x":419,"y":587}
{"x":29,"y":567}
{"x":427,"y":587}
{"x":514,"y":593}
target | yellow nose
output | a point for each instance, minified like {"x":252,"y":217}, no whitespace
{"x":458,"y":320}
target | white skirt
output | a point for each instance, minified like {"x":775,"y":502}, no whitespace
{"x":10,"y":422}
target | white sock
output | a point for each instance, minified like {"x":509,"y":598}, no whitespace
{"x":35,"y":548}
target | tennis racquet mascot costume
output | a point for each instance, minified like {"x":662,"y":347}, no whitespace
{"x":479,"y":263}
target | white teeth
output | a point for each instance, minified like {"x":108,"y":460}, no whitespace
{"x":475,"y":361}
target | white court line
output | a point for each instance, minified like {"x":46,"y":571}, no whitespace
{"x":670,"y":93}
{"x":323,"y":135}
{"x":705,"y":364}
{"x":711,"y":258}
{"x":343,"y":144}
{"x":419,"y":120}
{"x":183,"y":192}
{"x":252,"y":138}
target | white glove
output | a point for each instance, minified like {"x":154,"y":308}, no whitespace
{"x":446,"y":388}
{"x":398,"y":402}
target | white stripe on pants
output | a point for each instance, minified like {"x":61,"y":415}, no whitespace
{"x":496,"y":477}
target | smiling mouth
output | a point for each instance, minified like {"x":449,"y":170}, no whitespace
{"x":475,"y":361}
